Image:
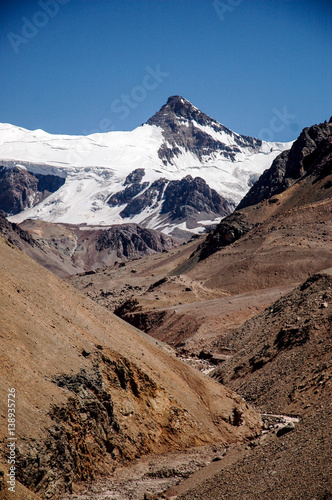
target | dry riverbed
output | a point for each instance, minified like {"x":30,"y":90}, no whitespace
{"x":168,"y":475}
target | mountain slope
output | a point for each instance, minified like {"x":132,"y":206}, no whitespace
{"x":37,"y":250}
{"x":310,"y":155}
{"x":282,"y":364}
{"x":177,"y":142}
{"x":306,"y":167}
{"x":83,"y":248}
{"x":284,"y":353}
{"x":184,"y":126}
{"x":84,"y":379}
{"x":68,"y":249}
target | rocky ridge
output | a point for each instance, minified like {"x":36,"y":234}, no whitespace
{"x":306,"y":166}
{"x":182,"y":124}
{"x":68,"y":249}
{"x":81,"y":248}
{"x":310,"y":155}
{"x":188,"y":199}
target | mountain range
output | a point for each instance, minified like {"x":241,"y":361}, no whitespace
{"x":180,"y":173}
{"x":213,"y":377}
{"x":250,"y":304}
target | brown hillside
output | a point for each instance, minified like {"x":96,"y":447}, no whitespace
{"x":92,"y":390}
{"x":283,"y":356}
{"x":283,"y":365}
{"x":38,"y":251}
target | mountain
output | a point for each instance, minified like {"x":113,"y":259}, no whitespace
{"x":37,"y":249}
{"x":92,"y":391}
{"x":307,"y":166}
{"x":254,"y":300}
{"x":68,"y":249}
{"x":82,"y":248}
{"x":179,"y":173}
{"x":310,"y":155}
{"x":254,"y":254}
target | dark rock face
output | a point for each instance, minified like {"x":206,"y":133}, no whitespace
{"x":135,"y":176}
{"x":2,"y":480}
{"x":20,"y":189}
{"x":127,"y":194}
{"x":180,"y":199}
{"x":134,"y":187}
{"x":149,"y":198}
{"x":177,"y":119}
{"x":228,"y":230}
{"x":311,"y":154}
{"x":131,"y":240}
{"x":189,"y":195}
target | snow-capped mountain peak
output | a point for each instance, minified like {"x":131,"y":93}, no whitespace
{"x":179,"y":142}
{"x":187,"y":129}
{"x":179,"y":107}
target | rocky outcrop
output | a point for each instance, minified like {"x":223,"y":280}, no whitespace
{"x":130,"y":241}
{"x":180,"y":200}
{"x":311,"y":154}
{"x":228,"y":231}
{"x":133,"y":187}
{"x":182,"y":128}
{"x":191,"y":196}
{"x":86,"y":427}
{"x":20,"y":189}
{"x":148,"y":199}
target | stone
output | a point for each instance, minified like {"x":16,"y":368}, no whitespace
{"x":290,"y":426}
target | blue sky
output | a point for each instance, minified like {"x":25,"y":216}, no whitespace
{"x":262,"y":68}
